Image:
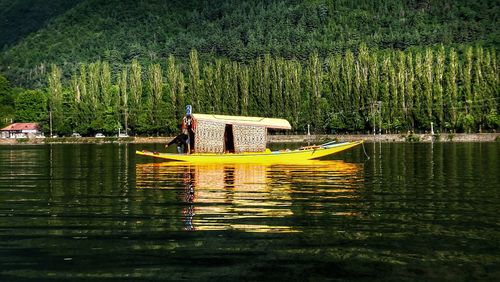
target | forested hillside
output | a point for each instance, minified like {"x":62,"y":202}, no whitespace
{"x":121,"y":30}
{"x":20,"y":17}
{"x":336,"y":65}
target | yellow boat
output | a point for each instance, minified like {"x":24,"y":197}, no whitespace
{"x":240,"y":139}
{"x":300,"y":155}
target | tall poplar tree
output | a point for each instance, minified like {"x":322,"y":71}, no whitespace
{"x":175,"y":109}
{"x":410,"y":94}
{"x":385,"y":90}
{"x":467,"y":119}
{"x":349,"y":110}
{"x":491,"y":94}
{"x":123,"y":97}
{"x":55,"y":99}
{"x":208,"y":89}
{"x":478,"y":88}
{"x":363,"y":65}
{"x":135,"y":93}
{"x":244,"y":84}
{"x":106,"y":98}
{"x":315,"y":82}
{"x":194,"y":81}
{"x":451,"y":89}
{"x":73,"y":104}
{"x":93,"y":89}
{"x":401,"y":114}
{"x":107,"y":101}
{"x":374,"y":88}
{"x":84,"y":104}
{"x":393,"y":121}
{"x":428,"y":79}
{"x":155,"y":101}
{"x":218,"y":87}
{"x":293,"y":90}
{"x":437,"y":89}
{"x":335,"y":92}
{"x":418,"y":109}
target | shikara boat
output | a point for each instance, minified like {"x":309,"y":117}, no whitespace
{"x":282,"y":156}
{"x":237,"y":139}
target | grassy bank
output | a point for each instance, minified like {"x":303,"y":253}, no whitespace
{"x":448,"y":137}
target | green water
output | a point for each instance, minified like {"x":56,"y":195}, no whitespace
{"x":414,"y":212}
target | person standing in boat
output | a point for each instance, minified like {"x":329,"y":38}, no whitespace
{"x":188,"y":127}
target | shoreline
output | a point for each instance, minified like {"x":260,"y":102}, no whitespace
{"x":318,"y":139}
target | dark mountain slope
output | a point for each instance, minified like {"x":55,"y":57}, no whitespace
{"x":18,"y":18}
{"x":119,"y":30}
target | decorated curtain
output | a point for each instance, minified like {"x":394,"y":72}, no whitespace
{"x":209,"y":137}
{"x":249,"y":138}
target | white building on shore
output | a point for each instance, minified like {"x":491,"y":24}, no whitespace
{"x":21,"y":130}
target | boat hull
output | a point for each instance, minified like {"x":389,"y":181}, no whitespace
{"x":295,"y":156}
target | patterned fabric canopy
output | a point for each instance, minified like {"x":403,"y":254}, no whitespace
{"x":249,"y":133}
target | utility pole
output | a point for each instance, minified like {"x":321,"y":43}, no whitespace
{"x":379,"y":111}
{"x":376,"y":110}
{"x":373,"y":117}
{"x":50,"y":122}
{"x":126,"y":121}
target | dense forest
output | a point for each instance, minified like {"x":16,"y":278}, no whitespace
{"x":336,"y":65}
{"x":21,"y":17}
{"x":392,"y":91}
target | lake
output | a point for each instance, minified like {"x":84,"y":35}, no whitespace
{"x":413,"y":211}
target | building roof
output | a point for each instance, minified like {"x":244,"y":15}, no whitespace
{"x":21,"y":126}
{"x":277,"y":123}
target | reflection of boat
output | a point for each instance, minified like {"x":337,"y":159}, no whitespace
{"x":247,"y":197}
{"x":236,"y":139}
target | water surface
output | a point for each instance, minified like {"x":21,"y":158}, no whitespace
{"x":98,"y":212}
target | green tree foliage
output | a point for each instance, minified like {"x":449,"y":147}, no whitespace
{"x":292,"y":74}
{"x":122,"y":103}
{"x":14,"y":13}
{"x":119,"y":31}
{"x":451,"y":89}
{"x":457,"y":89}
{"x":55,"y":97}
{"x":336,"y":95}
{"x":244,"y":84}
{"x":155,"y":103}
{"x":122,"y":100}
{"x":427,"y":83}
{"x":467,"y":117}
{"x":313,"y":92}
{"x":6,"y":101}
{"x":31,"y":106}
{"x":135,"y":90}
{"x":438,"y":86}
{"x":194,"y":96}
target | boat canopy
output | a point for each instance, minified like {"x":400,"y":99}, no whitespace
{"x":236,"y":134}
{"x":275,"y":123}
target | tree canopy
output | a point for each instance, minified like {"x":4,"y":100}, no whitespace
{"x":118,"y":31}
{"x":335,"y":65}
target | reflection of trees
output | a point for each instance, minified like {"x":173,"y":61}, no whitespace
{"x":249,"y":197}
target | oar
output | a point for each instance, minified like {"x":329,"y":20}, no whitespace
{"x":328,"y":143}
